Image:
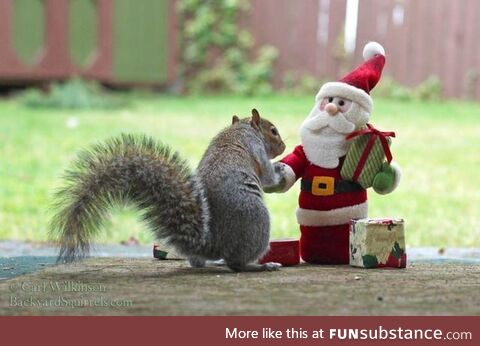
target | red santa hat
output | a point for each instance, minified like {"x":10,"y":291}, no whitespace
{"x":356,"y":85}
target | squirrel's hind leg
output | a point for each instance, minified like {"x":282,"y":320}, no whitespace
{"x":196,"y":262}
{"x":253,"y":267}
{"x":217,"y":263}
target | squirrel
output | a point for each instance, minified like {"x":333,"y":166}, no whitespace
{"x":216,"y":213}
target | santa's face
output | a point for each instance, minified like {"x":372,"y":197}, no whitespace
{"x":324,"y":130}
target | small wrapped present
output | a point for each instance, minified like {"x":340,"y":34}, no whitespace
{"x":163,"y":251}
{"x":377,"y":243}
{"x":367,"y":152}
{"x":283,"y":251}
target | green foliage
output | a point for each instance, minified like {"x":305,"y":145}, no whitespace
{"x":72,"y":94}
{"x":389,"y":88}
{"x":430,"y":89}
{"x":303,"y":85}
{"x":216,"y":55}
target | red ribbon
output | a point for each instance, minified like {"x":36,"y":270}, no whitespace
{"x":375,"y":133}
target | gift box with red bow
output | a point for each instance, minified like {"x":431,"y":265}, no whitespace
{"x":368,"y":150}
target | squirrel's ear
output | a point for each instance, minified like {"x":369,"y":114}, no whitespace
{"x":255,"y":118}
{"x":235,"y":120}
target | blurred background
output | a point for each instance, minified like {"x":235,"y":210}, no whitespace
{"x":74,"y":72}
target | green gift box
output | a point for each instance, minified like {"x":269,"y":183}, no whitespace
{"x":368,"y":150}
{"x":163,"y":251}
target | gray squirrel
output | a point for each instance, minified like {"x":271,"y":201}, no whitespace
{"x":215,"y":213}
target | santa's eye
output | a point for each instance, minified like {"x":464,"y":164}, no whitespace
{"x":344,"y":105}
{"x":330,"y":99}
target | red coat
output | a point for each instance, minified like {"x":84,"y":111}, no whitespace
{"x":321,"y":205}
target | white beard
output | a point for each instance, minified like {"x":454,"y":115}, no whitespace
{"x":324,"y":147}
{"x":323,"y":135}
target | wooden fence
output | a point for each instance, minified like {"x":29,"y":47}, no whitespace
{"x":307,"y":34}
{"x":421,"y":37}
{"x":427,"y":37}
{"x":117,"y":41}
{"x":114,"y":41}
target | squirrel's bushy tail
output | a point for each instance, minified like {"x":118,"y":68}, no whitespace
{"x":133,"y":169}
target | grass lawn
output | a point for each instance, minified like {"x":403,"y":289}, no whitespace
{"x":437,"y":146}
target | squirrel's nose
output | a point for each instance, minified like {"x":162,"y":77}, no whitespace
{"x":331,"y":108}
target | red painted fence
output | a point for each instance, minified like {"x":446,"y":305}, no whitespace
{"x":53,"y":60}
{"x":422,"y":38}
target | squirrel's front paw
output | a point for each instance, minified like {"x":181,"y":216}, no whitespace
{"x":279,"y":169}
{"x":275,"y":188}
{"x":281,"y":182}
{"x":272,"y":266}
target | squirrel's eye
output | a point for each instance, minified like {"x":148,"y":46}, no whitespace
{"x":330,"y":99}
{"x":274,"y":131}
{"x":341,"y":103}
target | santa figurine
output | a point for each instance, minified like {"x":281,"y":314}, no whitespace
{"x":327,"y":203}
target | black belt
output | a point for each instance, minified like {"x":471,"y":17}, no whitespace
{"x":340,"y":186}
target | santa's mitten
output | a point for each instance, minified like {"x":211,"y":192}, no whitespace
{"x":387,"y":179}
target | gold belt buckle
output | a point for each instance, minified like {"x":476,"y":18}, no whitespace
{"x":323,"y":186}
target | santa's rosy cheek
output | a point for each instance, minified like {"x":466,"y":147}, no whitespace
{"x":323,"y":104}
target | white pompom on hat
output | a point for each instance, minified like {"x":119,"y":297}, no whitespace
{"x":371,"y":49}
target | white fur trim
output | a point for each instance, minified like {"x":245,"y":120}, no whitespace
{"x":340,"y":216}
{"x":290,"y":177}
{"x":371,"y":49}
{"x":398,"y":175}
{"x":340,"y":89}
